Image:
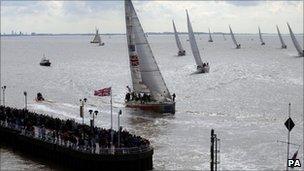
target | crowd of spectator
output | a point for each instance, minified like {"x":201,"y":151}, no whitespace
{"x":68,"y":132}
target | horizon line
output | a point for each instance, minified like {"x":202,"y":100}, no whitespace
{"x":37,"y":34}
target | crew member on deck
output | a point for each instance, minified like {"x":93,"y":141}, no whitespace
{"x":128,"y":97}
{"x":149,"y":97}
{"x":133,"y":96}
{"x":173,"y":96}
{"x":129,"y":89}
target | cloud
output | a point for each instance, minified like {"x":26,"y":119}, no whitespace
{"x":244,"y":3}
{"x":156,"y":16}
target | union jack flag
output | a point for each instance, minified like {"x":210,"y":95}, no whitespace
{"x":103,"y":92}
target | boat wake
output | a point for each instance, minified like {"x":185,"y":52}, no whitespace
{"x":240,"y":73}
{"x":63,"y":111}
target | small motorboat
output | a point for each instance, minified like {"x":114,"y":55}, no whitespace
{"x":45,"y":62}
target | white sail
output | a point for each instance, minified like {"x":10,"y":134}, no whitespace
{"x":295,"y":42}
{"x":261,"y":38}
{"x":193,"y":43}
{"x":178,"y":42}
{"x":210,"y":38}
{"x":233,"y":38}
{"x":97,"y":38}
{"x":281,"y":39}
{"x":145,"y":73}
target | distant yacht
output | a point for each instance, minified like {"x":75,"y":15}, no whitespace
{"x":44,"y":61}
{"x":281,"y":39}
{"x":295,"y":42}
{"x":238,"y":46}
{"x":200,"y":66}
{"x":210,"y":38}
{"x":224,"y":37}
{"x":181,"y":51}
{"x":97,"y":39}
{"x":261,"y":39}
{"x":149,"y":88}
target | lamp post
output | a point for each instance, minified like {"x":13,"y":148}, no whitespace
{"x":94,"y":114}
{"x":118,"y":122}
{"x":3,"y":92}
{"x":93,"y":119}
{"x":25,"y":99}
{"x":82,"y":103}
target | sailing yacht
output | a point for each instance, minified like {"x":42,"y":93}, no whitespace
{"x":261,"y":39}
{"x":238,"y":46}
{"x":149,"y":88}
{"x":200,"y":66}
{"x":181,"y":51}
{"x":224,"y":37}
{"x":97,"y":39}
{"x":295,"y":42}
{"x":210,"y":38}
{"x":281,"y":39}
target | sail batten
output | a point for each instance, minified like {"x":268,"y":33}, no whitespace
{"x":281,"y":39}
{"x":295,"y":42}
{"x":177,"y":39}
{"x":145,"y":74}
{"x":193,"y":43}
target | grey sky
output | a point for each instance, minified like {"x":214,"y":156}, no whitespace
{"x":156,"y":16}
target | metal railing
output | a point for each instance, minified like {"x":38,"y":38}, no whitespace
{"x":46,"y":137}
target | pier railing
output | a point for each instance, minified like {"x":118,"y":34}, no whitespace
{"x":66,"y":144}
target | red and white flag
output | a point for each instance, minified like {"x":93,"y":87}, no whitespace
{"x":103,"y":92}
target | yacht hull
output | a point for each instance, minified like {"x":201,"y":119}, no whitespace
{"x":155,"y":107}
{"x":45,"y":64}
{"x":181,"y":53}
{"x":203,"y":70}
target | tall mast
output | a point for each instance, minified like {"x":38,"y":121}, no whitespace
{"x":210,"y":38}
{"x":145,"y":73}
{"x":232,"y":37}
{"x":281,"y":39}
{"x":178,"y":42}
{"x":193,"y":43}
{"x":295,"y":42}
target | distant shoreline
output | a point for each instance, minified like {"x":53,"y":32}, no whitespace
{"x":116,"y":34}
